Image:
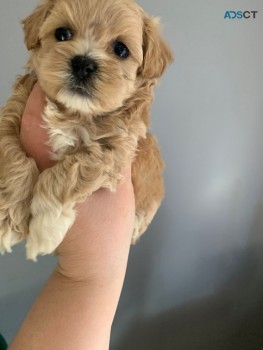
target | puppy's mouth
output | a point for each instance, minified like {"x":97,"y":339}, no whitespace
{"x":80,"y":90}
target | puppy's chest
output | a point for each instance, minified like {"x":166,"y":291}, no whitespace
{"x":64,"y":136}
{"x":68,"y":136}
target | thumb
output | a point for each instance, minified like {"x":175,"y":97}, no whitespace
{"x":34,"y":107}
{"x":33,"y":136}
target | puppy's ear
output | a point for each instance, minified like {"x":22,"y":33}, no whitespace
{"x":33,"y":23}
{"x":157,"y":54}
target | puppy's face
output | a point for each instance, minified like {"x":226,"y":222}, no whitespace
{"x":90,"y":55}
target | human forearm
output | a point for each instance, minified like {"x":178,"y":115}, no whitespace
{"x":69,"y":315}
{"x":77,"y":306}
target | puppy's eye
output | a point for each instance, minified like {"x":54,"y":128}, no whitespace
{"x":120,"y":49}
{"x":63,"y":34}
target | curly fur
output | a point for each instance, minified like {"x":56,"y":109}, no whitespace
{"x":93,"y":137}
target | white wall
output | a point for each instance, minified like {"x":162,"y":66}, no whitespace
{"x":195,"y":280}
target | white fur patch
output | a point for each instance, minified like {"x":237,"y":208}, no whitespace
{"x":48,"y":227}
{"x":76,"y":102}
{"x":7,"y":239}
{"x":61,"y":139}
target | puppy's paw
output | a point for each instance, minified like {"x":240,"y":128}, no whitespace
{"x":13,"y":226}
{"x":7,"y":237}
{"x":48,"y":226}
{"x":16,"y":184}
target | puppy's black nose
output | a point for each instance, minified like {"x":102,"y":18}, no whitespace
{"x":83,"y":67}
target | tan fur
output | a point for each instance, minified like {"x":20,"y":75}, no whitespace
{"x":92,"y":138}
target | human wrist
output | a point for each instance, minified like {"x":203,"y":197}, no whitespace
{"x":102,"y":294}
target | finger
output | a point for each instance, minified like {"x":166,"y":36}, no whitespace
{"x":32,"y":135}
{"x":34,"y":106}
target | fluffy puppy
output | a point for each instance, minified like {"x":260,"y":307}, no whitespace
{"x":97,"y":62}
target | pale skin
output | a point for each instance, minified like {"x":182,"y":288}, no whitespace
{"x":76,"y":308}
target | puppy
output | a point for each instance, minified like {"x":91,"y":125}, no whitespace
{"x":97,"y":62}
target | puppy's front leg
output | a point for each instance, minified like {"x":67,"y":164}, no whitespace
{"x":18,"y":173}
{"x":58,"y":190}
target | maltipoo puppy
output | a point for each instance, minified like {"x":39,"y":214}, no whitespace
{"x":97,"y":62}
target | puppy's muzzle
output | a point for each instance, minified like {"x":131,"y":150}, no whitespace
{"x":83,"y":68}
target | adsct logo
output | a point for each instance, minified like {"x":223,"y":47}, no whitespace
{"x":241,"y":14}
